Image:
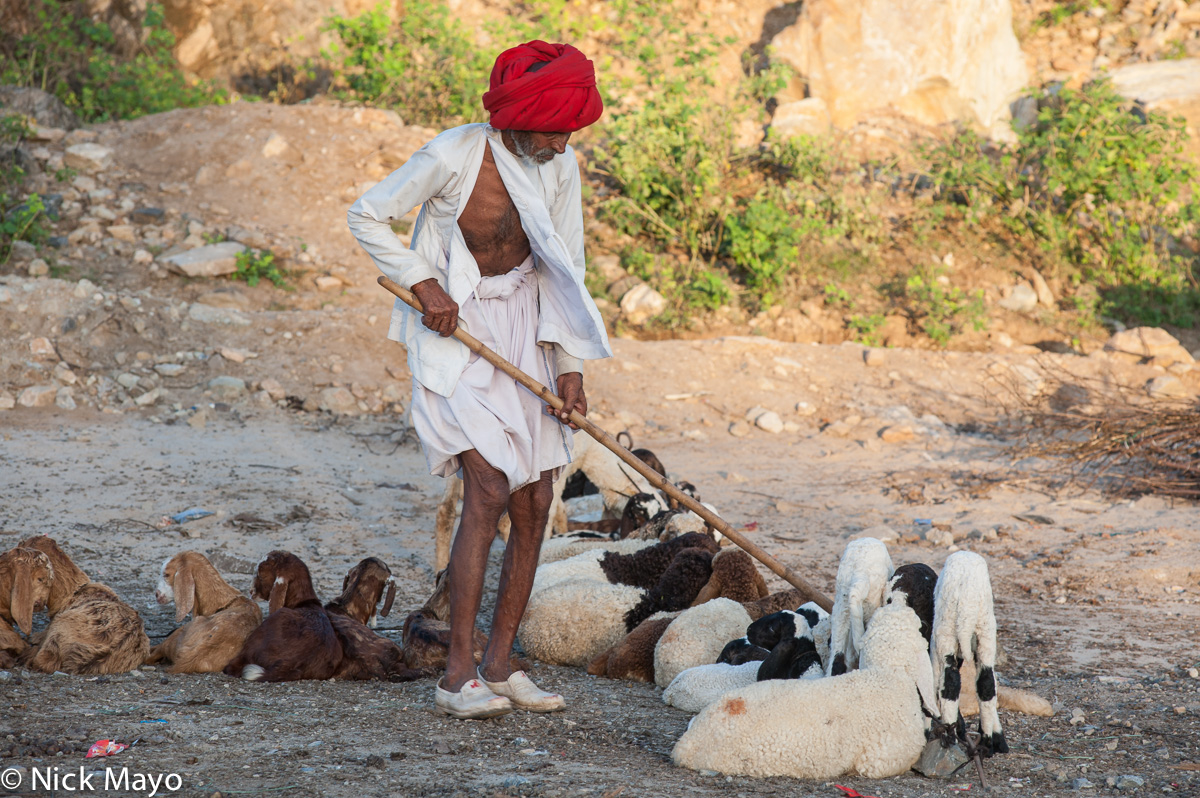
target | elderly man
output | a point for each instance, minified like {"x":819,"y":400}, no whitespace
{"x":497,"y":248}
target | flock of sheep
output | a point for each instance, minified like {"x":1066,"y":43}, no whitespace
{"x":781,"y":687}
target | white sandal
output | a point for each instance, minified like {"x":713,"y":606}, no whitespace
{"x":473,"y":701}
{"x":524,"y":694}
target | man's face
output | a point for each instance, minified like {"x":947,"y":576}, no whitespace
{"x":536,"y":148}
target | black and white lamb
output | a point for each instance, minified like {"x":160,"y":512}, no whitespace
{"x":964,"y":624}
{"x":862,"y":578}
{"x":790,"y":637}
{"x":917,"y":581}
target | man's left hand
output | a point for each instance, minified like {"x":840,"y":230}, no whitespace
{"x":570,"y":390}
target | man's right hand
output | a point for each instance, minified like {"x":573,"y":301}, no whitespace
{"x":441,"y":312}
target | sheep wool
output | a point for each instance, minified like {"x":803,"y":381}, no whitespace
{"x":868,"y":722}
{"x":862,"y":578}
{"x":697,"y":637}
{"x":562,"y":547}
{"x":694,"y":689}
{"x":572,"y":622}
{"x":964,"y":627}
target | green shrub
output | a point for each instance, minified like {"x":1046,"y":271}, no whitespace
{"x":763,"y":240}
{"x":426,"y":65}
{"x":20,"y":218}
{"x":1101,"y":190}
{"x":66,"y":53}
{"x":254,"y":265}
{"x":937,"y":308}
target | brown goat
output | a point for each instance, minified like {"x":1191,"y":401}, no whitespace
{"x":223,"y":617}
{"x":427,"y":632}
{"x":296,"y":641}
{"x":25,"y":577}
{"x":365,"y":654}
{"x":91,"y":630}
{"x":362,"y":589}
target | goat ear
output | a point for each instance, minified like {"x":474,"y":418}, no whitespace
{"x":278,"y":595}
{"x":184,"y":588}
{"x":21,"y":600}
{"x":389,"y":598}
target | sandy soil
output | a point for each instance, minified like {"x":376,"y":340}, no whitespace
{"x":1098,"y":604}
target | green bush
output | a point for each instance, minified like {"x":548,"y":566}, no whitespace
{"x":66,"y":53}
{"x":20,"y":218}
{"x":764,"y":241}
{"x":255,"y":265}
{"x":937,"y":308}
{"x":1102,"y":190}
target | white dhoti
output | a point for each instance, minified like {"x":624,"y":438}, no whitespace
{"x":488,"y":410}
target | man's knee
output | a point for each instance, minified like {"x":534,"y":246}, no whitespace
{"x":536,"y":497}
{"x":488,"y":493}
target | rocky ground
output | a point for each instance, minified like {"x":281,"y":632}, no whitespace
{"x":130,"y":391}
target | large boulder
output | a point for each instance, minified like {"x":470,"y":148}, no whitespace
{"x":933,"y":60}
{"x":1172,"y":87}
{"x":43,"y":107}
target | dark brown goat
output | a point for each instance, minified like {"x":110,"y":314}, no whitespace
{"x":427,"y":632}
{"x":297,"y":640}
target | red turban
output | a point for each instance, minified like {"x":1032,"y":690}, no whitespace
{"x":558,"y":98}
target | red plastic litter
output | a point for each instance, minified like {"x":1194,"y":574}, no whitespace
{"x":105,"y":748}
{"x":852,"y":793}
{"x":750,"y":527}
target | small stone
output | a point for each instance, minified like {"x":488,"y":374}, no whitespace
{"x":1168,"y":386}
{"x":739,"y":429}
{"x":1129,"y":782}
{"x":88,"y":157}
{"x":38,"y":396}
{"x":42,"y":349}
{"x":1194,"y":673}
{"x":897,"y":434}
{"x":1081,"y":784}
{"x":148,"y":398}
{"x":276,"y":145}
{"x":273,"y":388}
{"x":805,"y":409}
{"x":65,"y":398}
{"x":641,"y":303}
{"x":939,"y":762}
{"x":236,"y":355}
{"x":327,"y":282}
{"x":169,"y":369}
{"x":770,"y":422}
{"x":7,"y":400}
{"x":226,"y":388}
{"x":146,"y":215}
{"x":874,"y":357}
{"x":338,"y":401}
{"x":1077,"y":716}
{"x":128,"y":381}
{"x":1042,"y":289}
{"x":210,"y":315}
{"x":123,"y":232}
{"x":212,"y":260}
{"x":5,"y":294}
{"x":38,"y":267}
{"x":1023,"y":298}
{"x":22,"y":251}
{"x":85,"y":288}
{"x":141,"y":257}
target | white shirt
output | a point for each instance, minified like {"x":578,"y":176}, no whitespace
{"x":441,"y":176}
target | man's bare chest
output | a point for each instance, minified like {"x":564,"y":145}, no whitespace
{"x":491,"y":224}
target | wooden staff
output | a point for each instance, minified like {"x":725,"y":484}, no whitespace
{"x":607,"y":441}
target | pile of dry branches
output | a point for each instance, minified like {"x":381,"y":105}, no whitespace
{"x":1124,"y":447}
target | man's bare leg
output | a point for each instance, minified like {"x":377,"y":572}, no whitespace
{"x":485,"y":495}
{"x":528,"y":509}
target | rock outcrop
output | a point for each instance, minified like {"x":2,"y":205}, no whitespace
{"x":933,"y":60}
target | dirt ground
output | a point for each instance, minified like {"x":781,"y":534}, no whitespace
{"x":1098,"y":600}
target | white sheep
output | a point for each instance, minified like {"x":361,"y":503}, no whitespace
{"x":572,"y":622}
{"x":862,"y":578}
{"x":695,"y":688}
{"x":964,"y":624}
{"x":869,"y":722}
{"x":697,"y":637}
{"x":562,"y":547}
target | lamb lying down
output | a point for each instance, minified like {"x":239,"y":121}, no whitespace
{"x":869,"y":721}
{"x":694,"y":689}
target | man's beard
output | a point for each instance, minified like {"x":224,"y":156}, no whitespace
{"x":523,"y":143}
